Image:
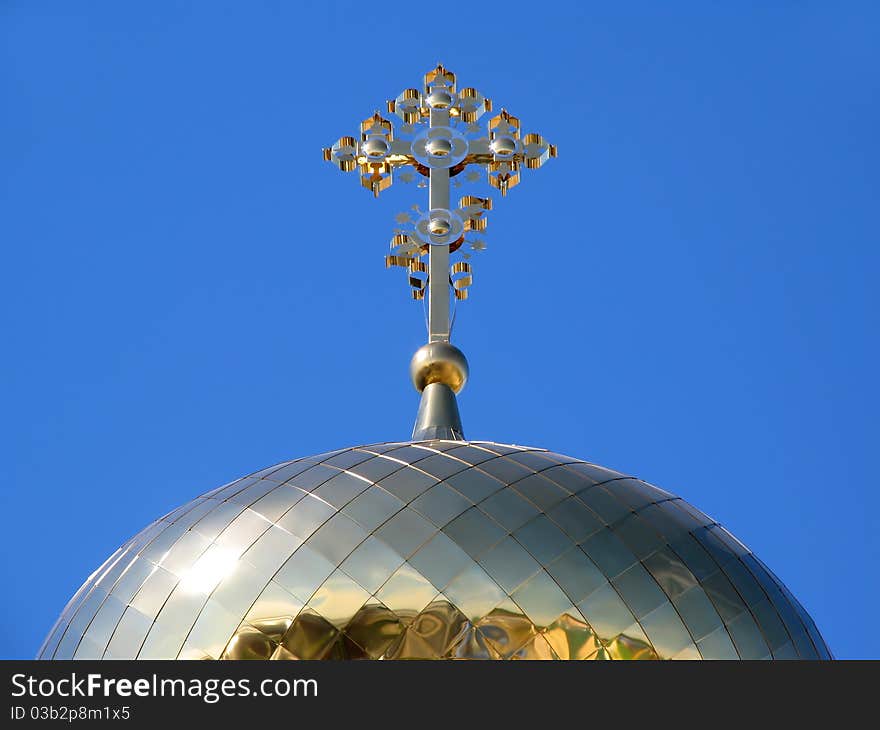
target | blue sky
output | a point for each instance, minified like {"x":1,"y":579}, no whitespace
{"x":688,"y":294}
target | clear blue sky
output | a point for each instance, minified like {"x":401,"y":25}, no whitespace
{"x":689,"y":293}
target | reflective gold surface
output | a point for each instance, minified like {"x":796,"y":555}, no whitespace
{"x":439,"y":362}
{"x":434,"y":549}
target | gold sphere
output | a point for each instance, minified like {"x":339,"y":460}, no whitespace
{"x":376,"y":147}
{"x":503,"y":146}
{"x":439,"y":147}
{"x":439,"y":226}
{"x":439,"y":99}
{"x":439,"y":362}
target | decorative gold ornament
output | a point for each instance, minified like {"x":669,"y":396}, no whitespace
{"x":440,"y":138}
{"x":439,"y":362}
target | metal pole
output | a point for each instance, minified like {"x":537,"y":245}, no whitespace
{"x":438,"y":255}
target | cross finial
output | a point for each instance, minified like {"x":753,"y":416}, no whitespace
{"x":439,"y":137}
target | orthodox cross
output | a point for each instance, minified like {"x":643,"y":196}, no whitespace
{"x":439,"y":137}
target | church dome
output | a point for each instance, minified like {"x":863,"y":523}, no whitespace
{"x":434,"y":549}
{"x":437,"y":547}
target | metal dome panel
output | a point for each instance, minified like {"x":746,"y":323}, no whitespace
{"x":434,"y":549}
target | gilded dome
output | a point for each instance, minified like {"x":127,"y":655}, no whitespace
{"x":434,"y":549}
